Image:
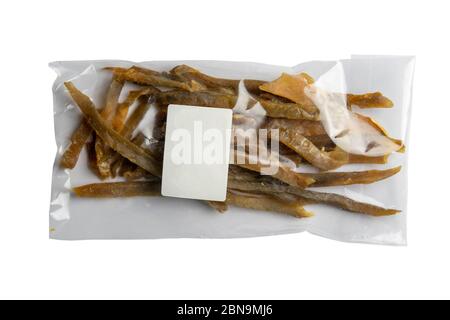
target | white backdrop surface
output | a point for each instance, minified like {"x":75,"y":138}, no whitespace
{"x":282,"y":33}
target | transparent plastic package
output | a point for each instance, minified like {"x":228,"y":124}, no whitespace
{"x":339,"y":130}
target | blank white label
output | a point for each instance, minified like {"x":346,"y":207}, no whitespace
{"x":196,"y":152}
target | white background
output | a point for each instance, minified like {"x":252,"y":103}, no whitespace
{"x":275,"y":32}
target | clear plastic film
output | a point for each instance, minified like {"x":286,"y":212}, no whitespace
{"x":319,"y":147}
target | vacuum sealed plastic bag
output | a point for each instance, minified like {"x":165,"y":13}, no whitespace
{"x":215,"y":149}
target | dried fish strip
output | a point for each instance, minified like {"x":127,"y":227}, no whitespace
{"x":283,"y":172}
{"x":292,"y":87}
{"x":77,"y":141}
{"x":265,"y":202}
{"x":102,"y":153}
{"x":220,"y":84}
{"x":369,"y":100}
{"x":218,"y":206}
{"x":123,"y":108}
{"x":119,"y":189}
{"x":270,"y":185}
{"x":148,"y":77}
{"x":288,"y":197}
{"x":92,"y":157}
{"x":327,"y":179}
{"x":274,"y":107}
{"x":314,"y":131}
{"x":201,"y":99}
{"x":277,"y":109}
{"x":138,"y":173}
{"x":112,"y":98}
{"x":132,"y":123}
{"x":125,"y":166}
{"x":217,"y":100}
{"x":375,"y":125}
{"x":122,"y":165}
{"x":290,"y":106}
{"x":303,"y":127}
{"x":356,"y":158}
{"x":305,"y":148}
{"x":136,"y":117}
{"x":322,"y":142}
{"x":120,"y":144}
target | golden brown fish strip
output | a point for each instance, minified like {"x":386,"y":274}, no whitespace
{"x":265,"y":202}
{"x":272,"y":97}
{"x":327,"y":179}
{"x":119,"y":189}
{"x":289,"y":156}
{"x":147,"y":77}
{"x":102,"y":150}
{"x":136,"y":117}
{"x":154,"y":148}
{"x":211,"y":82}
{"x":92,"y":156}
{"x":369,"y":100}
{"x":132,"y":123}
{"x":77,"y":141}
{"x":283,"y":173}
{"x":304,"y":127}
{"x":322,"y":142}
{"x":125,"y":166}
{"x":120,"y":144}
{"x":276,"y":109}
{"x":218,"y":206}
{"x":325,"y":145}
{"x":139,"y":139}
{"x":238,"y":173}
{"x":83,"y":132}
{"x":112,"y":99}
{"x":300,"y":144}
{"x":292,"y":87}
{"x":122,"y":165}
{"x":138,"y":173}
{"x":346,"y":203}
{"x":226,"y":86}
{"x":356,"y":158}
{"x":190,"y":74}
{"x":374,"y":124}
{"x":123,"y":108}
{"x":252,"y":86}
{"x":295,"y":159}
{"x":115,"y":165}
{"x":202,"y":99}
{"x":103,"y":158}
{"x":145,"y":71}
{"x":270,"y":185}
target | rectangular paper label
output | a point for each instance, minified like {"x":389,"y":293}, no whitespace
{"x":196,"y":152}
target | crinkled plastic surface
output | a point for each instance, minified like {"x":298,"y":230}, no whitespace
{"x":73,"y":218}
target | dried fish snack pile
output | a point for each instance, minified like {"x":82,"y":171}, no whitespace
{"x":340,"y":172}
